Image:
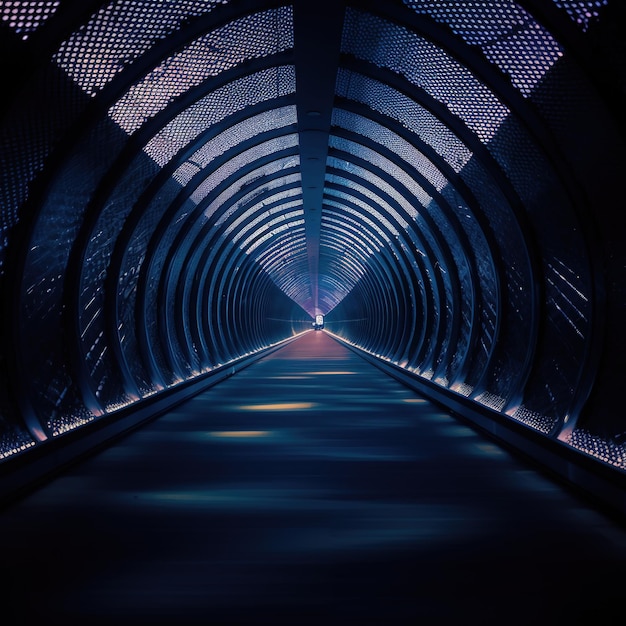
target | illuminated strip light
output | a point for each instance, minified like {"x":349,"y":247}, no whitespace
{"x":239,"y":434}
{"x":281,"y":406}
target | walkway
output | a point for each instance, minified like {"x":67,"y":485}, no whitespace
{"x":308,"y":489}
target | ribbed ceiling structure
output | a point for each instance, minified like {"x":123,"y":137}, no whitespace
{"x":187,"y":183}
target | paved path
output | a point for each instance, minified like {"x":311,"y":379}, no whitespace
{"x":309,"y":489}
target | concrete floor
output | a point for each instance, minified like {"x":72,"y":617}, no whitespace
{"x":311,"y":489}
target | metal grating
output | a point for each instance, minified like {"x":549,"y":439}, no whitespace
{"x":119,"y":33}
{"x":392,"y":141}
{"x":507,"y":34}
{"x":411,"y":209}
{"x":424,"y":64}
{"x":25,"y":17}
{"x":390,"y":102}
{"x":213,"y":108}
{"x":252,"y":218}
{"x":583,"y":12}
{"x":276,"y":119}
{"x":254,"y":36}
{"x":233,"y":166}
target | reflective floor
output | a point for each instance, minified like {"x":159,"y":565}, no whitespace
{"x":309,"y":489}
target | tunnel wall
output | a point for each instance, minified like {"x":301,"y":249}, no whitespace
{"x":513,"y":309}
{"x":126,"y":279}
{"x":155,"y":229}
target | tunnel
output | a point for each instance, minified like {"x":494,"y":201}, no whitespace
{"x":188,"y":187}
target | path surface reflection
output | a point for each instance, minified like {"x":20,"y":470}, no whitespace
{"x":308,"y":489}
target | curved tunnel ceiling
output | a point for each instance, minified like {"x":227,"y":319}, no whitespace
{"x":187,"y":183}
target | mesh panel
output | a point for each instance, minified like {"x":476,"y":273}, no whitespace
{"x":373,"y":157}
{"x":583,"y":12}
{"x":421,"y":235}
{"x":280,"y":252}
{"x":558,"y":235}
{"x":243,"y":131}
{"x":271,"y":230}
{"x":184,"y":248}
{"x":251,"y":37}
{"x":235,"y":96}
{"x":285,"y":259}
{"x":13,"y":441}
{"x":246,"y":222}
{"x":432,"y":132}
{"x":28,"y":134}
{"x":233,"y":166}
{"x":507,"y":35}
{"x":112,"y":219}
{"x":26,"y":17}
{"x":289,"y":276}
{"x":424,"y":64}
{"x":189,"y":243}
{"x":390,"y":231}
{"x":409,"y":113}
{"x":368,"y":238}
{"x":43,"y":276}
{"x":538,"y":421}
{"x":609,"y":451}
{"x":517,"y":288}
{"x":355,"y":246}
{"x":390,"y":140}
{"x":409,"y":153}
{"x":98,"y":354}
{"x":119,"y":33}
{"x":215,"y":178}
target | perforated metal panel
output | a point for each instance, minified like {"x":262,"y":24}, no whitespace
{"x":25,"y":18}
{"x":390,"y":102}
{"x":251,"y":37}
{"x":118,"y":34}
{"x":424,"y":64}
{"x":583,"y":12}
{"x":507,"y":34}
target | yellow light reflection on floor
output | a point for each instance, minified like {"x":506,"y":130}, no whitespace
{"x":284,"y":406}
{"x":415,"y":400}
{"x":240,"y":433}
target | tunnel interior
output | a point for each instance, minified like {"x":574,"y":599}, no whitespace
{"x":186,"y":185}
